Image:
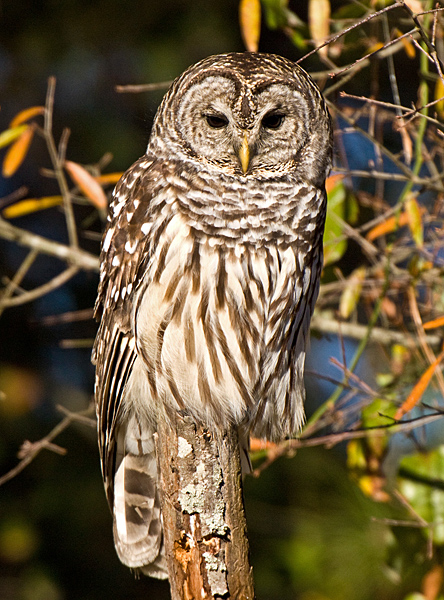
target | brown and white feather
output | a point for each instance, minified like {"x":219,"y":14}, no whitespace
{"x":209,"y":276}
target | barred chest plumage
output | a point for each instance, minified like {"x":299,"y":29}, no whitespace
{"x":222,"y":309}
{"x":209,"y":272}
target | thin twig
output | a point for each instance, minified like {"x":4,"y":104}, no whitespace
{"x":57,"y":165}
{"x":333,"y":439}
{"x":42,"y":290}
{"x":144,"y":87}
{"x":72,"y":255}
{"x":18,"y":278}
{"x":30,"y":450}
{"x":356,"y":331}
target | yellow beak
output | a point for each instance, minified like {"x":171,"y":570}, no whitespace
{"x":244,"y":154}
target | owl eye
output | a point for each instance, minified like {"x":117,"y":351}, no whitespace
{"x":217,"y":121}
{"x":273,"y":120}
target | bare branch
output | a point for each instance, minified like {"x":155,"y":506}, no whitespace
{"x":203,"y":514}
{"x":58,"y":166}
{"x":30,"y":450}
{"x":382,"y":336}
{"x":145,"y":87}
{"x":72,"y":255}
{"x":42,"y":290}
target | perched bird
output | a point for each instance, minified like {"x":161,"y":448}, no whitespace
{"x":210,"y":269}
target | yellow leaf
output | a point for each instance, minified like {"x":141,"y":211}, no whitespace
{"x":30,"y":205}
{"x":375,"y":47}
{"x":373,"y":486}
{"x":408,"y":46}
{"x":418,"y":391}
{"x":439,"y":97}
{"x":414,"y":220}
{"x":17,"y":152}
{"x":439,"y":322}
{"x":26,"y":114}
{"x":108,"y":178}
{"x":351,"y":293}
{"x":250,"y":23}
{"x":319,"y":22}
{"x":87,"y":184}
{"x":9,"y":135}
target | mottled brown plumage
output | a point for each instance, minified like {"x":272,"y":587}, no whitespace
{"x":210,"y":270}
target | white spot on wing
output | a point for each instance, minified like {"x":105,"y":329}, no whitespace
{"x":131,"y":248}
{"x":107,"y":240}
{"x":117,"y":208}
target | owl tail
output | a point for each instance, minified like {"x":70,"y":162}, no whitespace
{"x":137,"y":519}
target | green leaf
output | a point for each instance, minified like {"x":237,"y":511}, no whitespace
{"x":275,"y":13}
{"x":9,"y":135}
{"x":422,"y":483}
{"x":334,"y":248}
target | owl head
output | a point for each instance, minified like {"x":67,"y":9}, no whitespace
{"x":247,"y":115}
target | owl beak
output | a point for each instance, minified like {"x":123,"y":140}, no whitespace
{"x":244,"y":154}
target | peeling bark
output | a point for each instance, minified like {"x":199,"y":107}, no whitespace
{"x":203,"y":514}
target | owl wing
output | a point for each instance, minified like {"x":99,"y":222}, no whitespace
{"x":129,"y":476}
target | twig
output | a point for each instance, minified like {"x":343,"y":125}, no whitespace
{"x":351,"y":28}
{"x":42,"y":290}
{"x":58,"y":166}
{"x":72,"y":255}
{"x":30,"y":450}
{"x":18,"y":278}
{"x":145,"y":87}
{"x":379,"y":335}
{"x":332,"y":439}
{"x":85,"y":314}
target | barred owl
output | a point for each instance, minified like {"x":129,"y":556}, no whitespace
{"x":210,"y":268}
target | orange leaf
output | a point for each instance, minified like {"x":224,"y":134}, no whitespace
{"x":416,"y":394}
{"x":106,"y":178}
{"x":26,"y":114}
{"x":30,"y":205}
{"x":432,"y":583}
{"x":256,"y":444}
{"x":392,"y":223}
{"x":87,"y":184}
{"x":439,"y":322}
{"x":387,"y":226}
{"x":332,"y":181}
{"x":17,"y":152}
{"x":319,"y":22}
{"x":250,"y":23}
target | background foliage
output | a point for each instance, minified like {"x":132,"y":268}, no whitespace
{"x":354,"y":509}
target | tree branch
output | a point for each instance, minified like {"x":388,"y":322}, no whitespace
{"x":72,"y":255}
{"x":203,"y":514}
